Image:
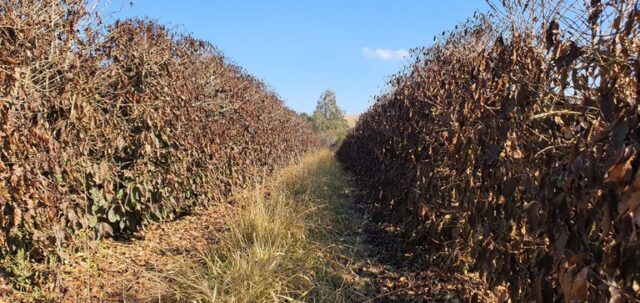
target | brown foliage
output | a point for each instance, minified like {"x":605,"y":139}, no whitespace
{"x":510,"y":147}
{"x":105,"y":128}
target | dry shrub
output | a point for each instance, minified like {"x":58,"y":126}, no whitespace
{"x":104,"y":128}
{"x":510,"y":148}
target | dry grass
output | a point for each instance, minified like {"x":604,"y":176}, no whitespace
{"x":119,"y":271}
{"x":290,"y":239}
{"x":352,"y":120}
{"x":288,"y":242}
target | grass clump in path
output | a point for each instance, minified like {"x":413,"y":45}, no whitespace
{"x":288,"y":242}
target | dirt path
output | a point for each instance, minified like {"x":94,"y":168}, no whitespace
{"x":305,"y":237}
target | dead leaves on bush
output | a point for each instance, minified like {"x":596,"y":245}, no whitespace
{"x":522,"y":131}
{"x":103,"y":128}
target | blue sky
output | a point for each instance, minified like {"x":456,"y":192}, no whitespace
{"x":300,"y":48}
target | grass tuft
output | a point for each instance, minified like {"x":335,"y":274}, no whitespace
{"x":287,"y":242}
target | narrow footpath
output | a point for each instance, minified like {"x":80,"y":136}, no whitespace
{"x":300,"y":237}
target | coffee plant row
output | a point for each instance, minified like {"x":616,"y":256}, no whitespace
{"x":510,"y":148}
{"x":106,"y":127}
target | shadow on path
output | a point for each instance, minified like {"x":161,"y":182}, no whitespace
{"x":397,"y":271}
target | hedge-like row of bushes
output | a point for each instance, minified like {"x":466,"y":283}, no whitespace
{"x":510,"y":148}
{"x":103,"y":128}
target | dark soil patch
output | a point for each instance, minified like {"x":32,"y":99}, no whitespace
{"x":398,"y":271}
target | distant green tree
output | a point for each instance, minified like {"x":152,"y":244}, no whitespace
{"x":327,"y":115}
{"x":328,"y":119}
{"x":306,"y":117}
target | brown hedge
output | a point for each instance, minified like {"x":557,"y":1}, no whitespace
{"x":510,"y":148}
{"x":104,"y":128}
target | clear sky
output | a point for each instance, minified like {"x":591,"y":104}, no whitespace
{"x":300,"y":48}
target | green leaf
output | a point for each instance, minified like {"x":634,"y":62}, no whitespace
{"x":134,"y":197}
{"x":135,"y":194}
{"x":96,"y":196}
{"x":109,"y":197}
{"x":95,"y":208}
{"x":93,"y":220}
{"x":112,"y":216}
{"x":120,"y":194}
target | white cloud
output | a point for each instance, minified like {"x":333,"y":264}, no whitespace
{"x":385,"y":54}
